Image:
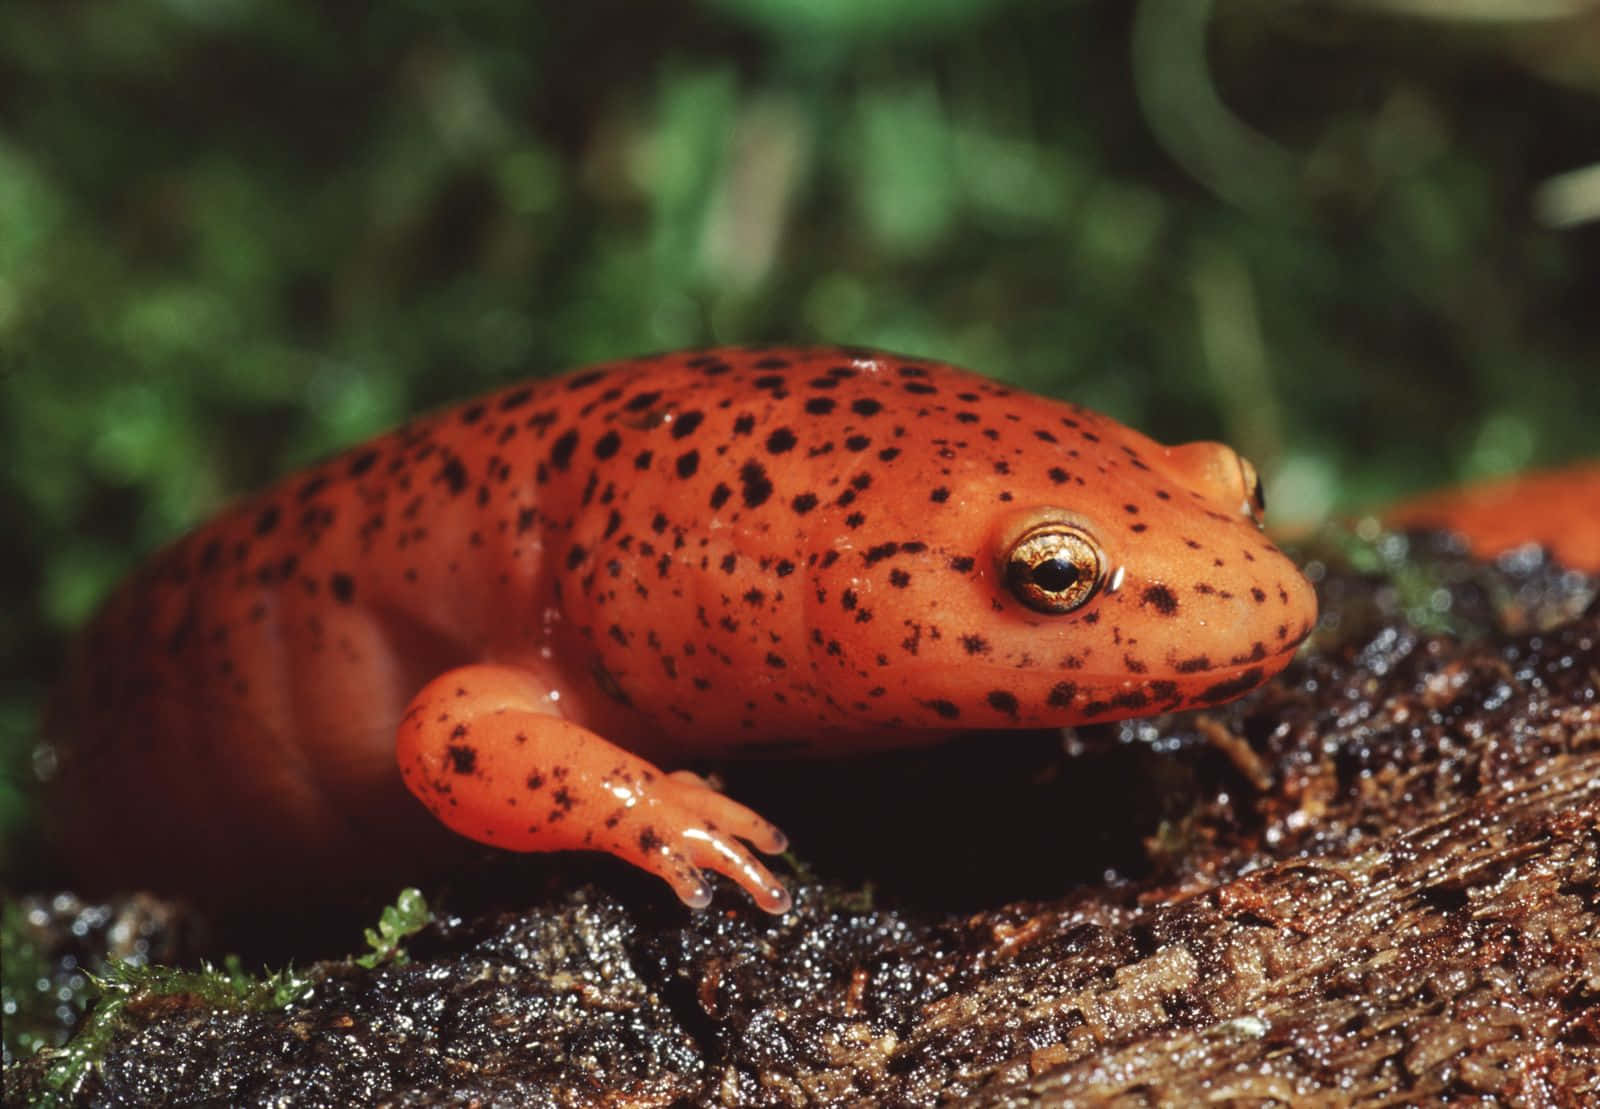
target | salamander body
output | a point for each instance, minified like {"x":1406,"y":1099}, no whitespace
{"x":518,"y":609}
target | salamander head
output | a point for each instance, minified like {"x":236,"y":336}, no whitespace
{"x":1042,"y":565}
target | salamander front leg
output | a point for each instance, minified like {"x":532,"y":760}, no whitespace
{"x":481,"y":747}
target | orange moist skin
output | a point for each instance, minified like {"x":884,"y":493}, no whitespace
{"x":518,"y":608}
{"x":1558,"y":510}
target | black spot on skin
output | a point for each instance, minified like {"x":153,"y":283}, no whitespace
{"x":472,"y":413}
{"x":754,"y":596}
{"x":607,"y":445}
{"x":576,"y":556}
{"x":343,"y":588}
{"x":857,"y":443}
{"x":463,"y":759}
{"x":1228,"y":690}
{"x":919,"y":387}
{"x":780,"y":441}
{"x":515,"y":399}
{"x":773,"y":382}
{"x":640,"y":401}
{"x":1004,"y":702}
{"x":756,"y":486}
{"x":854,"y":520}
{"x":1062,"y":694}
{"x":939,"y":495}
{"x":847,"y":600}
{"x":1160,"y":598}
{"x":1044,"y":436}
{"x":728,"y":563}
{"x":1059,"y":476}
{"x":454,"y":475}
{"x":1192,"y":665}
{"x":784,"y":568}
{"x":775,"y":660}
{"x":944,"y":708}
{"x":312,"y":488}
{"x":866,"y":406}
{"x":744,"y":424}
{"x":684,"y":425}
{"x":899,"y":579}
{"x":525,"y":519}
{"x":688,"y":463}
{"x":362,"y":462}
{"x":961,"y":564}
{"x":561,"y":450}
{"x":889,"y":454}
{"x":803,"y":503}
{"x":642,"y":460}
{"x":821,"y":406}
{"x":880,"y":552}
{"x":720,"y":495}
{"x":584,"y":380}
{"x":975,"y":644}
{"x":1133,"y":700}
{"x":267,"y":520}
{"x":1257,"y":595}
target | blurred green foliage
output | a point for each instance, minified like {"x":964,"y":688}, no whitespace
{"x":235,"y":234}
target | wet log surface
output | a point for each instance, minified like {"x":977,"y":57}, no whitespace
{"x":1376,"y":881}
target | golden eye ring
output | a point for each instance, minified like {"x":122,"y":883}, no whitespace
{"x":1054,"y":568}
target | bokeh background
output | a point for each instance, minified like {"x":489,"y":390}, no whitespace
{"x":1359,"y":240}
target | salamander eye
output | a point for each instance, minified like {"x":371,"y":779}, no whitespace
{"x":1054,"y":568}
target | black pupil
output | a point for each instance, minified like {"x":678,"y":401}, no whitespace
{"x":1054,"y":575}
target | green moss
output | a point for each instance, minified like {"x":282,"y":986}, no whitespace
{"x":29,"y":993}
{"x":124,"y":986}
{"x":113,"y":997}
{"x":407,"y":916}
